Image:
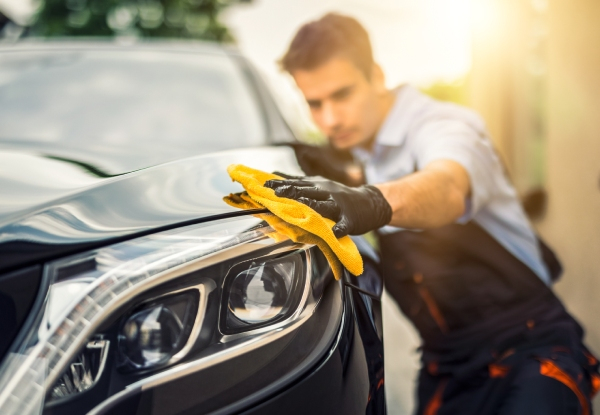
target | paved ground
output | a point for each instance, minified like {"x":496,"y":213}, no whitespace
{"x":401,"y":359}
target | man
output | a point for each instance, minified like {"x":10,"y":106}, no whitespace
{"x":458,"y":253}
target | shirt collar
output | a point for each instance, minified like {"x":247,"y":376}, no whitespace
{"x":395,"y":127}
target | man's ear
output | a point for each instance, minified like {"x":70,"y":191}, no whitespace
{"x":378,"y":79}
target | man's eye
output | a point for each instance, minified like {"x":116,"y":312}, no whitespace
{"x":314,"y":104}
{"x":343,"y":94}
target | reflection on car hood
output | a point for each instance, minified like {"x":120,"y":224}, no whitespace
{"x":102,"y":160}
{"x":54,"y":206}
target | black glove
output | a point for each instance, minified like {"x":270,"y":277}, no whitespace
{"x":356,"y":210}
{"x":328,"y":162}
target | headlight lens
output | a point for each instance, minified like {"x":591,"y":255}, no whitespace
{"x":254,"y":287}
{"x":263,"y":291}
{"x":154,"y":333}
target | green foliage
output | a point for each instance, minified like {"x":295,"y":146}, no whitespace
{"x":312,"y":135}
{"x":197,"y":19}
{"x":456,"y":91}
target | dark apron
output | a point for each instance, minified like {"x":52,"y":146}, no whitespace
{"x":470,"y":299}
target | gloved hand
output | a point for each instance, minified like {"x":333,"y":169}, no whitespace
{"x":356,"y":210}
{"x":328,"y":162}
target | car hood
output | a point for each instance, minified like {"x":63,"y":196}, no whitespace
{"x":56,"y":206}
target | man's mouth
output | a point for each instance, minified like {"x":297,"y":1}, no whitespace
{"x":343,"y":136}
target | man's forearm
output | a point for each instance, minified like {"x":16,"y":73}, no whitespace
{"x":430,"y":198}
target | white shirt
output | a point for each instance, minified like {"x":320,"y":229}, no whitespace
{"x":419,"y":130}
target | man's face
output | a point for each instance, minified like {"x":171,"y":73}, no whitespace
{"x":343,"y":102}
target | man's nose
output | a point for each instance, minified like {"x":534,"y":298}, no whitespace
{"x":329,"y":116}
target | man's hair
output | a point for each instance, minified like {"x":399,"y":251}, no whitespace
{"x":333,"y":35}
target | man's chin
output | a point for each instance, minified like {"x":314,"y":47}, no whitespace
{"x":345,"y":143}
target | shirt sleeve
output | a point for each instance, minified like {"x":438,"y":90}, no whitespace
{"x":457,"y":140}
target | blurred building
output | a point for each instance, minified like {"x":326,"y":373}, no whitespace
{"x":536,"y":80}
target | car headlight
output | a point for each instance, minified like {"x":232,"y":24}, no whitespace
{"x":154,"y":301}
{"x":261,"y":292}
{"x":154,"y":334}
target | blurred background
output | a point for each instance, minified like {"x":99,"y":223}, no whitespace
{"x":530,"y":67}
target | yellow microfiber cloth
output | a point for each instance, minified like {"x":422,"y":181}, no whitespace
{"x":294,"y":219}
{"x":283,"y":230}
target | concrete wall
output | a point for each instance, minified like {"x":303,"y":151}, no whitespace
{"x":560,"y":101}
{"x":536,"y":80}
{"x":572,"y":223}
{"x":508,"y":83}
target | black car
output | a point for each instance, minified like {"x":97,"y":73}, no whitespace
{"x":127,"y":286}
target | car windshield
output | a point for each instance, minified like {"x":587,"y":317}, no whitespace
{"x":184,"y":103}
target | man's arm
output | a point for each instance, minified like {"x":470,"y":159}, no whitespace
{"x":430,"y":198}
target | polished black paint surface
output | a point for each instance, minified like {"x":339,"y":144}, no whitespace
{"x":70,"y":218}
{"x":347,"y":381}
